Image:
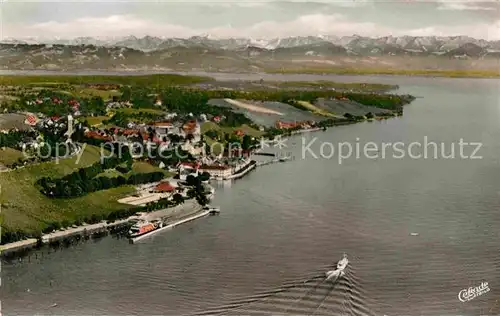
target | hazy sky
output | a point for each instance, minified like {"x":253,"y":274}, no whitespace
{"x":257,"y":19}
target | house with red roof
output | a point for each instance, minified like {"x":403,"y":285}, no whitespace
{"x":162,"y":128}
{"x":288,"y":125}
{"x":98,"y":135}
{"x":192,"y":129}
{"x":164,"y":187}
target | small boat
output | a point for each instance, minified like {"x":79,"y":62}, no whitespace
{"x":212,"y":210}
{"x":342,"y":264}
{"x":143,"y":227}
{"x":339,"y":271}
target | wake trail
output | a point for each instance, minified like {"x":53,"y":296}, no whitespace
{"x":308,"y":293}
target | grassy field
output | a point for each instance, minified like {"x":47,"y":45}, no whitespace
{"x":137,"y":167}
{"x":9,"y":156}
{"x":402,"y":72}
{"x":135,"y":111}
{"x":217,"y":149}
{"x":90,"y":92}
{"x":143,"y":80}
{"x":207,"y":126}
{"x":144,"y":167}
{"x":95,"y":120}
{"x":25,"y":208}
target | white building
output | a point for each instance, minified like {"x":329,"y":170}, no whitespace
{"x":187,"y":168}
{"x":191,"y":128}
{"x":193,"y":150}
{"x":216,"y":171}
{"x":162,"y":129}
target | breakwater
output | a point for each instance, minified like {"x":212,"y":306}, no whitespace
{"x":67,"y":237}
{"x":273,"y":161}
{"x":172,"y":225}
{"x":264,"y":154}
{"x":243,"y":171}
{"x":83,"y":231}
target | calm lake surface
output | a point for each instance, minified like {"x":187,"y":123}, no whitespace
{"x":282,"y":226}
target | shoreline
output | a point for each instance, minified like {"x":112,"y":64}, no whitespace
{"x":170,"y":213}
{"x":185,"y":219}
{"x":188,"y":208}
{"x":419,"y":73}
{"x":175,"y":214}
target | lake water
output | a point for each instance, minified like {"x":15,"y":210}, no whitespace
{"x":282,"y":226}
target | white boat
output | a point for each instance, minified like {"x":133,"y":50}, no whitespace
{"x":342,"y":264}
{"x":339,"y":271}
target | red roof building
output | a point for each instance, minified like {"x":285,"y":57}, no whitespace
{"x":161,"y":124}
{"x":239,"y":133}
{"x":164,"y":187}
{"x":186,"y":164}
{"x":287,"y":125}
{"x":189,"y":127}
{"x":96,"y":135}
{"x":221,"y":171}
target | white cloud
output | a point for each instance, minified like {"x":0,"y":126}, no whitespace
{"x":335,"y":24}
{"x":474,"y":5}
{"x":463,"y":6}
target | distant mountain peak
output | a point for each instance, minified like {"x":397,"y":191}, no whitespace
{"x":355,"y":44}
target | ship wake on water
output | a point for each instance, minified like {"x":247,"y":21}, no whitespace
{"x":317,"y":295}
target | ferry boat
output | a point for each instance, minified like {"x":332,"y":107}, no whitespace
{"x":143,"y":227}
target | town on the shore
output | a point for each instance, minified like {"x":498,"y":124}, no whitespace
{"x":166,"y":144}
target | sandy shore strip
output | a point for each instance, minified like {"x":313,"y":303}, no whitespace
{"x":252,"y":107}
{"x":80,"y":229}
{"x":18,"y":245}
{"x":188,"y":208}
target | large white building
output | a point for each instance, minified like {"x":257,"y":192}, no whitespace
{"x":162,"y":129}
{"x":216,"y":171}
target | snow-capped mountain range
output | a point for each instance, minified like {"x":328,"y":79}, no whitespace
{"x":206,"y":53}
{"x":352,"y":44}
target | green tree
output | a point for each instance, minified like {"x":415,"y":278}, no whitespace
{"x":246,"y":143}
{"x":178,"y":199}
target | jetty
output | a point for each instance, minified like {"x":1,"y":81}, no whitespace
{"x":180,"y":214}
{"x":240,"y":173}
{"x":273,"y":161}
{"x":264,"y":154}
{"x":172,"y":225}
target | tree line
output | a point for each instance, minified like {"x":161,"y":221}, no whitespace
{"x":86,"y":180}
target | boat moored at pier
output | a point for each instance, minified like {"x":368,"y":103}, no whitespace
{"x":143,"y":227}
